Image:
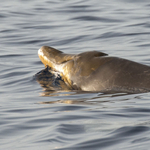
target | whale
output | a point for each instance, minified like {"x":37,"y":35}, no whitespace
{"x":96,"y":71}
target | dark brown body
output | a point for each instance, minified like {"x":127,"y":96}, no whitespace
{"x":113,"y":74}
{"x":95,"y":71}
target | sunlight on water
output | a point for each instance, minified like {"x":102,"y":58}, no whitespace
{"x":33,"y":117}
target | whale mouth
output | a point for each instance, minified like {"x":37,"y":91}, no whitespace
{"x":44,"y":58}
{"x":54,"y":58}
{"x":57,"y":61}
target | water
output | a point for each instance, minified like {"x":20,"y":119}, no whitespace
{"x":32,"y":118}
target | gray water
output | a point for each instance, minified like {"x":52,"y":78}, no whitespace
{"x":32,"y":118}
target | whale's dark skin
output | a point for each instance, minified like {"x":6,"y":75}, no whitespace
{"x":96,"y":71}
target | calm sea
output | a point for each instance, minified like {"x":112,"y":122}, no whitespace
{"x":34,"y":119}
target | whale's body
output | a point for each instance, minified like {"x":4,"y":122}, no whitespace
{"x":96,"y":71}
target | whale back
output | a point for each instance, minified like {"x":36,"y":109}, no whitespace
{"x":113,"y":74}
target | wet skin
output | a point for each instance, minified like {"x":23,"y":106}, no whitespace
{"x":96,"y":71}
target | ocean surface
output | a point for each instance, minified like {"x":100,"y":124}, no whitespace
{"x":32,"y":118}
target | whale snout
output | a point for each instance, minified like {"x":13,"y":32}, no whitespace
{"x":40,"y":52}
{"x":45,"y":50}
{"x":49,"y":56}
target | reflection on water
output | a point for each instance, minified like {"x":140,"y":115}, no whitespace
{"x":84,"y":98}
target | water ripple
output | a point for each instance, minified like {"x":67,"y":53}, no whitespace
{"x":35,"y":117}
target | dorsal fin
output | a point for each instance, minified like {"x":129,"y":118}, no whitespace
{"x":97,"y":53}
{"x":91,"y":54}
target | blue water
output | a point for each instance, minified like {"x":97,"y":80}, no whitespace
{"x":32,"y":118}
